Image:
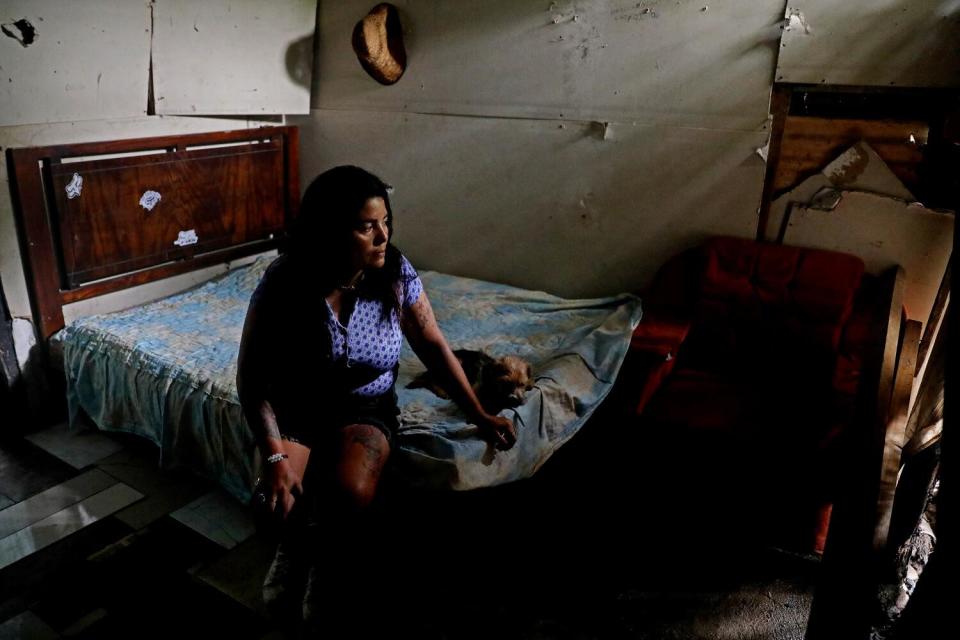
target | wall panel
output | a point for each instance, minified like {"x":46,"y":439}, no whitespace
{"x":68,"y":61}
{"x":233,"y":56}
{"x":660,"y":61}
{"x":906,"y":43}
{"x":562,"y":207}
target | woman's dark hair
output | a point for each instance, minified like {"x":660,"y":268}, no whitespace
{"x":320,"y":240}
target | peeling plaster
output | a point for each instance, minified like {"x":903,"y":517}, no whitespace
{"x":572,"y":18}
{"x":20,"y":30}
{"x":24,"y":339}
{"x":796,"y":20}
{"x":640,"y":11}
{"x":763,"y":151}
{"x":847,"y":167}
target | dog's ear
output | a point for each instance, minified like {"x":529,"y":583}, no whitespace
{"x":529,"y":383}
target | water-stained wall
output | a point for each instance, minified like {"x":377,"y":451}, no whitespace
{"x":566,"y":146}
{"x":570,"y":146}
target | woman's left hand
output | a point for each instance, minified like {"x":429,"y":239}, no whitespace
{"x":422,"y":331}
{"x":498,"y":430}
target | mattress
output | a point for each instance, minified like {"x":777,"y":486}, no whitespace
{"x":167,"y":371}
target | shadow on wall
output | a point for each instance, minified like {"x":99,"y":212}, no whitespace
{"x":301,"y":54}
{"x":299,"y":60}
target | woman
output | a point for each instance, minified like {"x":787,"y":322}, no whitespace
{"x":317,"y":368}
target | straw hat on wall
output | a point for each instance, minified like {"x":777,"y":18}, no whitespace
{"x":378,"y":43}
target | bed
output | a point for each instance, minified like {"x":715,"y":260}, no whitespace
{"x":166,"y":370}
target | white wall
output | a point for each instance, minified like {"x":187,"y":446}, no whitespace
{"x":546,"y":204}
{"x":232,"y":56}
{"x":904,"y":43}
{"x":570,"y":146}
{"x":82,"y":76}
{"x":573,"y":146}
{"x":59,"y":62}
{"x":565,"y":146}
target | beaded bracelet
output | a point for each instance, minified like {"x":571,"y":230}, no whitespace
{"x":274,"y":458}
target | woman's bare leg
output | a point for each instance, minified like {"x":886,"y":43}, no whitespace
{"x":364,"y":450}
{"x":347,"y":541}
{"x":286,"y":578}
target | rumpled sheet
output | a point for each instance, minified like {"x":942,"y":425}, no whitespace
{"x":167,"y":371}
{"x":575,"y":347}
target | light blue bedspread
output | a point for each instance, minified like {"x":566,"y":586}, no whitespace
{"x":167,"y":370}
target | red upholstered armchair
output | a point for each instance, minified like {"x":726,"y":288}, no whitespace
{"x":751,"y":354}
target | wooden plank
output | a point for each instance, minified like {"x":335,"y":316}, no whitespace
{"x":41,"y":269}
{"x":810,"y":143}
{"x":896,"y":277}
{"x":894,"y":438}
{"x":844,"y":600}
{"x":119,"y":283}
{"x":939,"y":304}
{"x":925,"y":423}
{"x":779,"y":107}
{"x":156,"y":143}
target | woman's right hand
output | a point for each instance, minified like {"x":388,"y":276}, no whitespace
{"x":283,"y":480}
{"x":497,"y":430}
{"x":285,"y":485}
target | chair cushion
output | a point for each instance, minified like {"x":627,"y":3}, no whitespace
{"x":766,"y":378}
{"x":700,"y":402}
{"x":763,"y":304}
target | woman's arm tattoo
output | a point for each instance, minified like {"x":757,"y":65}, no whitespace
{"x":269,"y":421}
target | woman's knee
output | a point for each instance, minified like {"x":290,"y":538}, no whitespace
{"x":357,"y":492}
{"x":365,"y":451}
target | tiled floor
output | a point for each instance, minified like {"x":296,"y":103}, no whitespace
{"x":97,"y":542}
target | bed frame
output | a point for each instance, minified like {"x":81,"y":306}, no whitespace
{"x":89,"y":226}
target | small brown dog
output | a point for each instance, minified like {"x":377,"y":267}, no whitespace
{"x":498,"y":382}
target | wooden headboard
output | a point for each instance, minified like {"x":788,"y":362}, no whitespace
{"x":99,"y":217}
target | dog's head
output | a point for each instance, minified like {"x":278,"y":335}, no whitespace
{"x":506,"y":380}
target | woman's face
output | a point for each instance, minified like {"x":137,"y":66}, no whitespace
{"x":370,"y":236}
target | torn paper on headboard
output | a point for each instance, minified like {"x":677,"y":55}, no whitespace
{"x":186,"y":237}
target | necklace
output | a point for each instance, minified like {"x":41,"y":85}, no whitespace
{"x":351,"y":287}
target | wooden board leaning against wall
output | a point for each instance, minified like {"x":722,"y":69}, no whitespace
{"x":910,"y":138}
{"x":914,"y":133}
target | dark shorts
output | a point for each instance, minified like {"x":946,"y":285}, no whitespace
{"x":310,"y":424}
{"x":319,"y":428}
{"x":381,"y":412}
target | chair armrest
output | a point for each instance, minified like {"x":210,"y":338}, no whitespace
{"x":654,"y":345}
{"x":659,"y":336}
